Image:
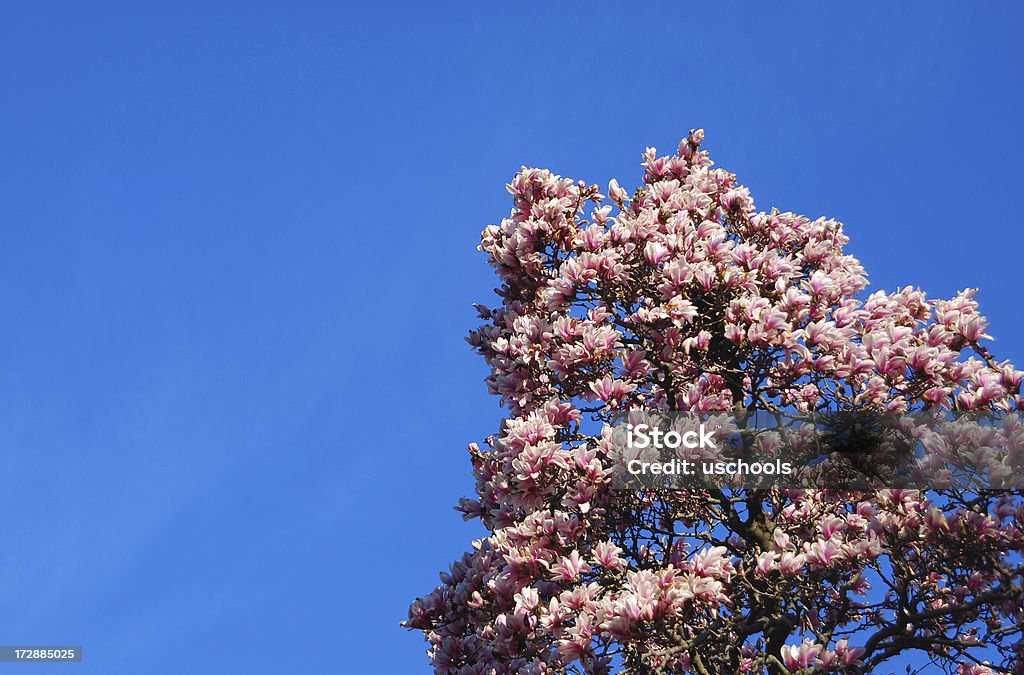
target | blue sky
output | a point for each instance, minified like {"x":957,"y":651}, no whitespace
{"x":237,"y":256}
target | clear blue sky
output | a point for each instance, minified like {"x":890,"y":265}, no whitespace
{"x":237,"y":256}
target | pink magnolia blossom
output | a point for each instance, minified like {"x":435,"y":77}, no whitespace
{"x":570,"y":567}
{"x":800,"y":656}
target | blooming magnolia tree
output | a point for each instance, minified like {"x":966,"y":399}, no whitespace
{"x":683,"y":297}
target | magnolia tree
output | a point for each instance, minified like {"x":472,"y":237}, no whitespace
{"x":684,"y":297}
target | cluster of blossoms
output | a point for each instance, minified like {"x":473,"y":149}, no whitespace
{"x":683,"y":297}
